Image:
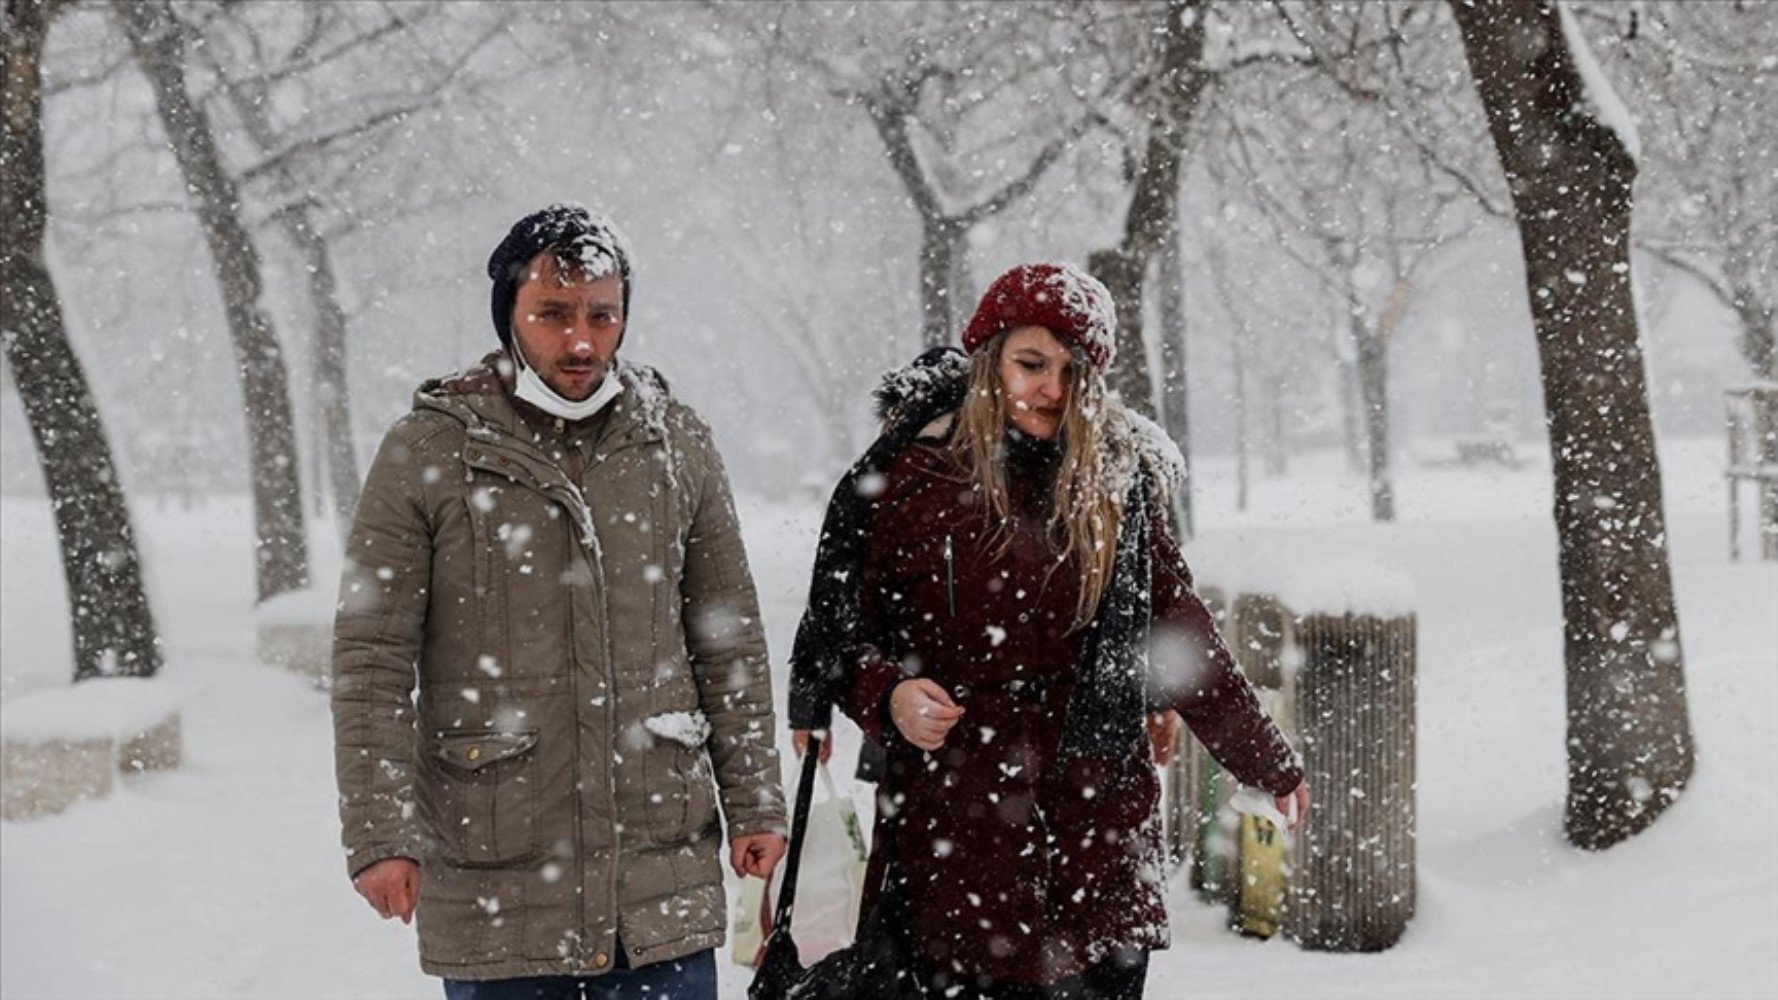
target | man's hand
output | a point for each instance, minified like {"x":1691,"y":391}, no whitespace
{"x":799,"y":738}
{"x":1163,"y":735}
{"x":391,"y":886}
{"x":923,"y":712}
{"x":756,"y":854}
{"x":1295,"y":806}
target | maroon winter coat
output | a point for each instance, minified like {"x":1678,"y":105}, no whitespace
{"x":1020,"y":869}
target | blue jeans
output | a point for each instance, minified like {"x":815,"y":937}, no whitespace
{"x":690,"y":978}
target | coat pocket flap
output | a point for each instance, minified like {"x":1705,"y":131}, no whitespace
{"x":473,"y":751}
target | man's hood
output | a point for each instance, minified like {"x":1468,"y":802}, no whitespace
{"x":481,"y":396}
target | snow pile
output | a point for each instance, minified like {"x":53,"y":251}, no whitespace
{"x":1329,"y":576}
{"x":107,"y":708}
{"x":309,"y":606}
{"x":1359,"y":582}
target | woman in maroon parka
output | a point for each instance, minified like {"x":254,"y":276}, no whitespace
{"x":1020,"y":609}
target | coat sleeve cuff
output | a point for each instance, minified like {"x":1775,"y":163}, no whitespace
{"x":359,"y":859}
{"x":765,"y":824}
{"x":867,"y":700}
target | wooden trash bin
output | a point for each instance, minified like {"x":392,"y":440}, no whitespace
{"x":1352,"y":879}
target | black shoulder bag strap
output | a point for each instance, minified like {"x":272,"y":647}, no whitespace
{"x":799,"y":829}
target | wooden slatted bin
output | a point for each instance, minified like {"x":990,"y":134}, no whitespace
{"x":1352,"y":879}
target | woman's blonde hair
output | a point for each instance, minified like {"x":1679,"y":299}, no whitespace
{"x":1084,"y":513}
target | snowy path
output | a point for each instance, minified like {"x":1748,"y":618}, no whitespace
{"x":224,"y":879}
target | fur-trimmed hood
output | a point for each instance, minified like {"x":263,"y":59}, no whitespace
{"x":933,"y":386}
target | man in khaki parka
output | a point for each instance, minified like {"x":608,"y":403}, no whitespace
{"x":548,"y":661}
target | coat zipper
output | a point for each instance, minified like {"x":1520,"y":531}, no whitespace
{"x":950,"y":578}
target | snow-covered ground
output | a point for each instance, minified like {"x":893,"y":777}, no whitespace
{"x":224,"y":878}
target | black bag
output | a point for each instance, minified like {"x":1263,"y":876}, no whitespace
{"x":882,"y":964}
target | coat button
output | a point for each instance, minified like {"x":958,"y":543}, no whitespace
{"x":475,"y":753}
{"x":601,"y":960}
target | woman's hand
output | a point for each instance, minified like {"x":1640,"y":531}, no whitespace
{"x":1295,"y":806}
{"x":1163,"y":735}
{"x":923,"y":712}
{"x":799,"y":738}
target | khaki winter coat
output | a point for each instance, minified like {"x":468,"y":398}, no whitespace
{"x":544,"y":681}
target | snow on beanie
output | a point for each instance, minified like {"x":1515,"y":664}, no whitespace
{"x":1062,"y":298}
{"x":585,"y":235}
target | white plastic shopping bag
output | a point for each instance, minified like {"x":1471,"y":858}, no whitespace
{"x":829,"y":887}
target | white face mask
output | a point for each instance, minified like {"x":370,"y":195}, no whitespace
{"x":533,"y":389}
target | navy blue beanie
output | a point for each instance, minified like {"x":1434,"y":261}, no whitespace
{"x":573,"y":232}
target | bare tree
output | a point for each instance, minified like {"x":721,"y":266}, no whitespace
{"x":1372,"y":216}
{"x":1564,"y":143}
{"x":968,"y":102}
{"x":261,"y":54}
{"x":113,"y":625}
{"x":1702,"y":75}
{"x":157,"y":39}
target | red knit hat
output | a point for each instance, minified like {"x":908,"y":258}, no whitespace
{"x":1062,"y":298}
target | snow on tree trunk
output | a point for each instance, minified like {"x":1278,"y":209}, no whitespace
{"x":1629,"y":735}
{"x":113,"y":626}
{"x":159,"y":47}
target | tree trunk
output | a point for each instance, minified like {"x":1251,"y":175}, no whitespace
{"x":159,"y":47}
{"x":1351,"y":401}
{"x":337,"y":464}
{"x":113,"y":625}
{"x":1241,"y":432}
{"x":941,"y":246}
{"x":1277,"y":440}
{"x":1759,"y":324}
{"x":332,"y":400}
{"x":1174,"y":397}
{"x":1121,"y":273}
{"x":1630,"y":750}
{"x":1373,"y":386}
